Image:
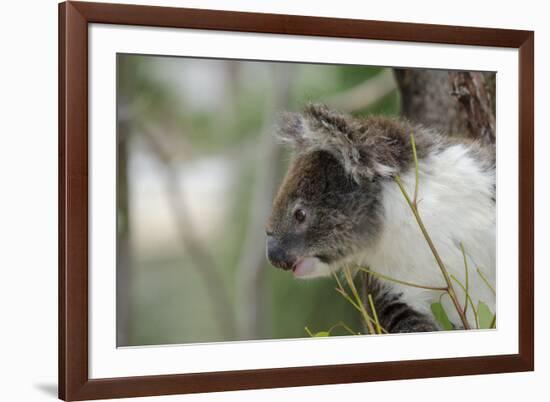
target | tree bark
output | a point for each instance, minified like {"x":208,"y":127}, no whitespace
{"x":457,"y":103}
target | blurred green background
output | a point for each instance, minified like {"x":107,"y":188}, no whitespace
{"x":197,"y":168}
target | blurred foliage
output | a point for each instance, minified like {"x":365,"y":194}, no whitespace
{"x":224,"y":116}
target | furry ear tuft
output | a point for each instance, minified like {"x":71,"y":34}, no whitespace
{"x":314,"y":128}
{"x":290,"y":129}
{"x":319,"y":128}
{"x":322,"y":118}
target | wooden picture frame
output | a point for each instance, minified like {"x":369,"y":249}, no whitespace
{"x":74,"y":381}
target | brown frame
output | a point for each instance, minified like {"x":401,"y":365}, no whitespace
{"x":74,"y":17}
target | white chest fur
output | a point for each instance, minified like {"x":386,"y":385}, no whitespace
{"x":455,"y":203}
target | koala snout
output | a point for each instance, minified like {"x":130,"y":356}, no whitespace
{"x":277,"y":255}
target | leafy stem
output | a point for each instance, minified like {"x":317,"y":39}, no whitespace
{"x":416,"y":180}
{"x":373,"y":309}
{"x":468,"y":299}
{"x":466,"y":276}
{"x":486,"y":281}
{"x":413,"y":206}
{"x":356,"y":301}
{"x":414,"y":285}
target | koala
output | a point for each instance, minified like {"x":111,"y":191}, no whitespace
{"x":339,"y":205}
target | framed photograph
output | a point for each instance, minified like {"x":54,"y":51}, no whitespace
{"x":260,"y":200}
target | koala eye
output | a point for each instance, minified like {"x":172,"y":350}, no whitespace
{"x":300,"y":215}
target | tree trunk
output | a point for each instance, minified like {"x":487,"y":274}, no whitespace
{"x":457,"y":103}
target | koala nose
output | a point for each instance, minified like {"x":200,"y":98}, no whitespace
{"x":277,"y":254}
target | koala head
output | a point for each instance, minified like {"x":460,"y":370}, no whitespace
{"x":329,"y":208}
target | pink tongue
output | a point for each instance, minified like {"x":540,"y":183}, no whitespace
{"x":305,"y":267}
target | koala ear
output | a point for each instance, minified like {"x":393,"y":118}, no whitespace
{"x":319,"y":128}
{"x":291,"y":129}
{"x":339,"y":135}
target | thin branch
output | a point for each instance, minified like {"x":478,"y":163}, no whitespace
{"x":357,"y":305}
{"x":468,"y":299}
{"x":203,"y":262}
{"x":414,"y":285}
{"x":486,"y":281}
{"x":441,"y":296}
{"x":366,"y":316}
{"x":438,"y":259}
{"x":329,"y":331}
{"x":416,"y":179}
{"x":343,"y":325}
{"x":466,"y":274}
{"x":371,"y":302}
{"x":446,"y":276}
{"x":368,"y":319}
{"x":349,"y":299}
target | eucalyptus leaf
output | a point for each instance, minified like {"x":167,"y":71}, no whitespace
{"x":441,"y":316}
{"x":485,"y":316}
{"x":320,"y":334}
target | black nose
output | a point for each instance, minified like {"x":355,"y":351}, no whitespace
{"x":277,"y":255}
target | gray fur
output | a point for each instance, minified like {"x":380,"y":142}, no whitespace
{"x":343,"y":215}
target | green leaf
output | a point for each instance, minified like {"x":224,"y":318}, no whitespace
{"x":485,"y":316}
{"x":319,"y":334}
{"x":441,"y":316}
